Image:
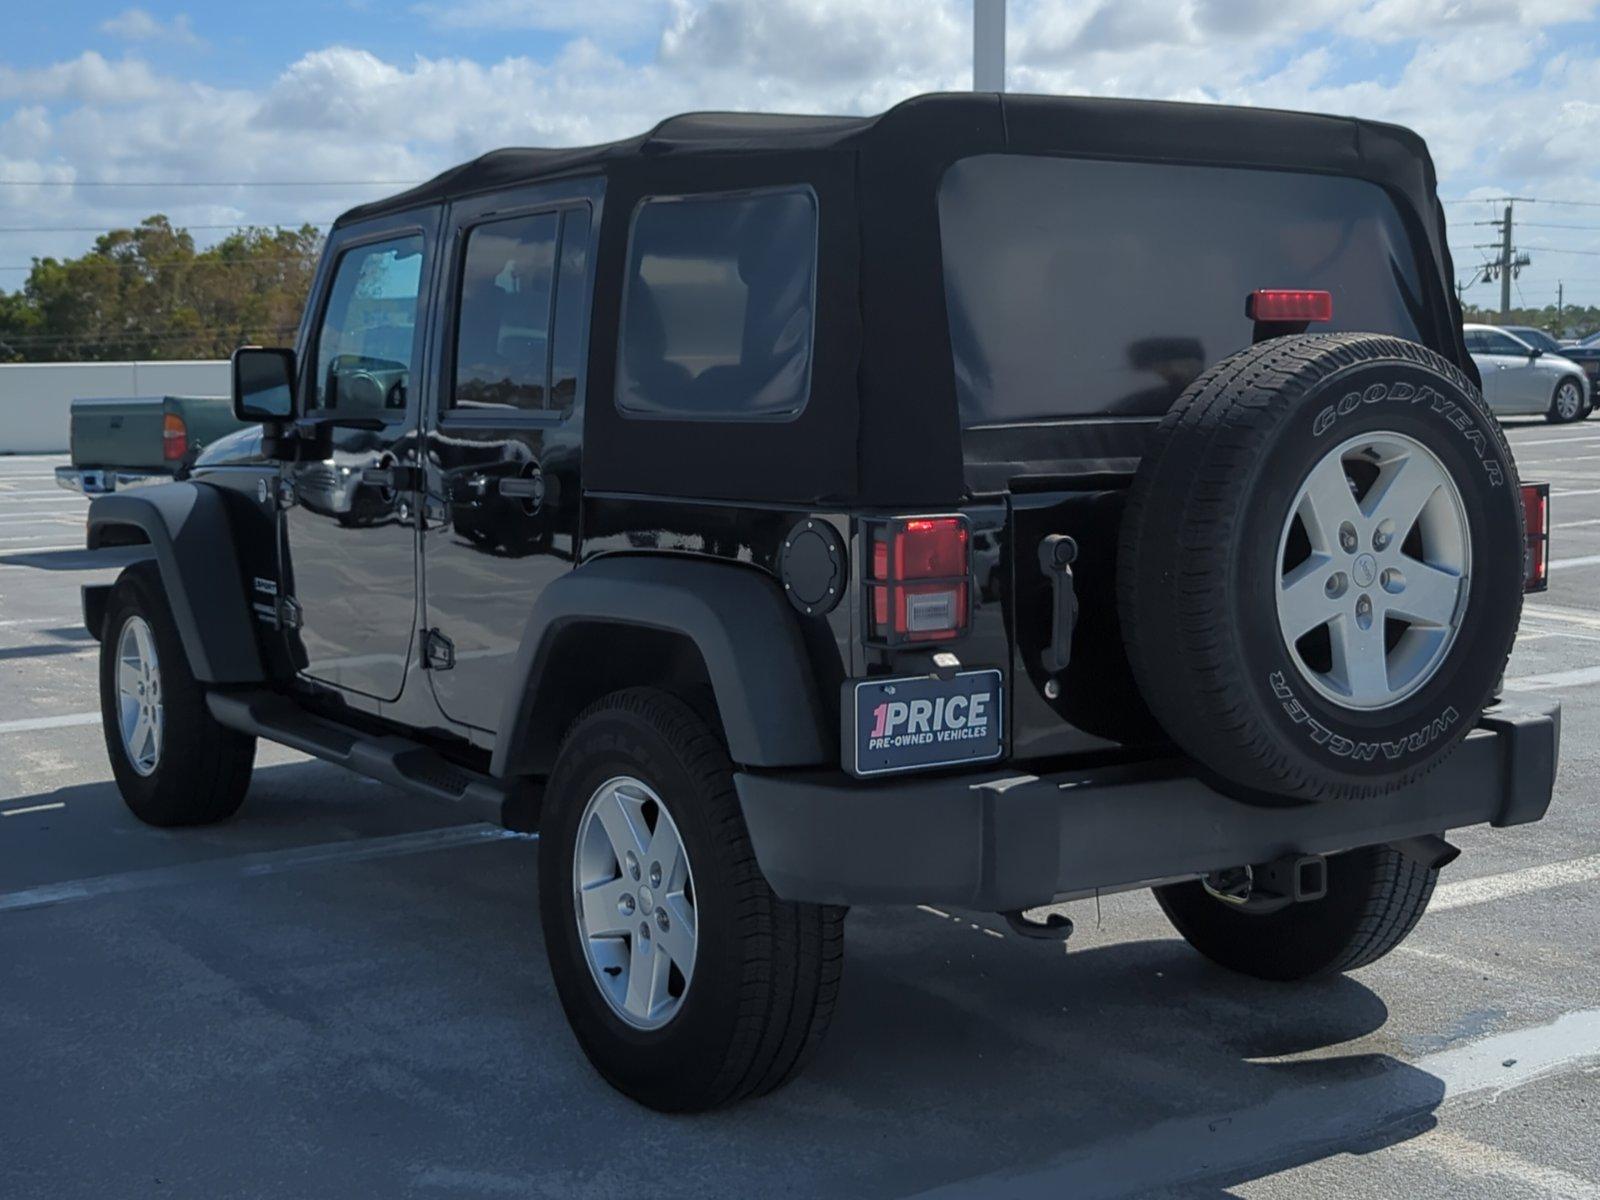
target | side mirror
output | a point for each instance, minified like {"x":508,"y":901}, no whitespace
{"x":1534,"y":352}
{"x":263,"y":384}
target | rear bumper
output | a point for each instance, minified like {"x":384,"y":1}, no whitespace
{"x":995,"y":841}
{"x":97,"y":481}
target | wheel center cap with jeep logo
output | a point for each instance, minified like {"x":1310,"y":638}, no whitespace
{"x":1364,"y":570}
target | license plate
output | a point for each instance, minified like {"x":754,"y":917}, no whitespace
{"x":920,"y":722}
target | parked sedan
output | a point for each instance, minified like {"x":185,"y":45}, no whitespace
{"x":1584,"y":351}
{"x":1520,"y":379}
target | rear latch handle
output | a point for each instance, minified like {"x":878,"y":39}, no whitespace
{"x":1057,"y":553}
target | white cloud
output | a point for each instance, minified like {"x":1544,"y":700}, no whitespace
{"x":137,"y":25}
{"x":1504,"y":97}
{"x":623,"y":20}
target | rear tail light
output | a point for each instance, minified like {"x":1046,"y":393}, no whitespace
{"x":174,"y":437}
{"x":1288,"y":306}
{"x":1536,"y":523}
{"x":920,"y":582}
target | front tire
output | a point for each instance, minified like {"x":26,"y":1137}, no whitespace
{"x":1375,"y":898}
{"x":688,"y":983}
{"x":173,"y":763}
{"x":1567,"y":403}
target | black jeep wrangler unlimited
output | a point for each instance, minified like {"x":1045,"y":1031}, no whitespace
{"x":999,"y":500}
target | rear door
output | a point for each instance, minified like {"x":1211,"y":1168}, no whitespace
{"x":1511,"y":384}
{"x":1083,"y":297}
{"x":349,"y":527}
{"x":503,"y":454}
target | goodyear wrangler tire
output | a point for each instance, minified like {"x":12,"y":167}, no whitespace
{"x":1320,"y":569}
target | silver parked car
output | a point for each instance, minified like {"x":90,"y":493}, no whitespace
{"x":1520,"y":379}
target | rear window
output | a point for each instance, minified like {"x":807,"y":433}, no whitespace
{"x":1085,"y":288}
{"x":717,"y":306}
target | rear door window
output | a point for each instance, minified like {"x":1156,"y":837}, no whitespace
{"x":1081,"y":287}
{"x":718,"y":306}
{"x":519,"y":336}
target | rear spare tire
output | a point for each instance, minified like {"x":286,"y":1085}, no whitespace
{"x":1320,"y":569}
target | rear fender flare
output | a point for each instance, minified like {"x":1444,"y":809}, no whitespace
{"x":736,"y":617}
{"x":191,"y":539}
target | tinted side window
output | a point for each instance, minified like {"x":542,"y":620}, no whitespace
{"x":1499,"y":343}
{"x":503,"y":333}
{"x":1081,"y":287}
{"x":718,"y":306}
{"x":1475,"y":341}
{"x":366,"y":344}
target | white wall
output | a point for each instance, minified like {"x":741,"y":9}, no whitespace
{"x":35,"y":397}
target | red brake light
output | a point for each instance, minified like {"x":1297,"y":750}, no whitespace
{"x":1536,"y":523}
{"x":1282,"y":306}
{"x":174,"y":437}
{"x":920,"y":585}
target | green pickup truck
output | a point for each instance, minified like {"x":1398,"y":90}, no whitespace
{"x":126,"y":441}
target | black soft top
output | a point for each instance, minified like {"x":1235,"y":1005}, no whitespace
{"x":882,"y":333}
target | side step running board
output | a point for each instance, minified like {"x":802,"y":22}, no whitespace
{"x":385,"y":757}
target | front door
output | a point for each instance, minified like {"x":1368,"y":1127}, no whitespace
{"x":502,"y":502}
{"x":349,"y":527}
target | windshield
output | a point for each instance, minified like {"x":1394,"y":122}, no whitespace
{"x":1083,"y":288}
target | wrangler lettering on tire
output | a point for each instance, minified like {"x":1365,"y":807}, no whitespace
{"x":1313,"y":571}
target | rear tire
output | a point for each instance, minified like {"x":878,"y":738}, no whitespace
{"x":1375,"y":897}
{"x":763,"y":973}
{"x":190,"y":770}
{"x":1567,"y":403}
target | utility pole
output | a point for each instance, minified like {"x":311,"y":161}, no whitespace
{"x":1505,"y":262}
{"x":988,"y":45}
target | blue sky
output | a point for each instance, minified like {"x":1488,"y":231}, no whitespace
{"x":355,"y":90}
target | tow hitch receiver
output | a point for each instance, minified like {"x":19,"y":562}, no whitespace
{"x":1267,"y":887}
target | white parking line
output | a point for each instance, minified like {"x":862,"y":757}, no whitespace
{"x":1459,"y":1155}
{"x":1560,"y":493}
{"x":32,"y":808}
{"x":14,"y":622}
{"x":1290,"y":1121}
{"x":266,"y":862}
{"x":1585,"y":560}
{"x":1514,"y":883}
{"x":1545,"y":681}
{"x":1574,"y":440}
{"x":29,"y":724}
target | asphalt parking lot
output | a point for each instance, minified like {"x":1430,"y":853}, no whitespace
{"x":342,"y":992}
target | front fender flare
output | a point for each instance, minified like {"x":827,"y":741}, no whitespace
{"x":736,"y":616}
{"x":191,"y":538}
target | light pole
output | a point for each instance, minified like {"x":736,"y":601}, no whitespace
{"x":988,"y":45}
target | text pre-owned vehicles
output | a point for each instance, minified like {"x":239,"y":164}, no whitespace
{"x":123,"y":442}
{"x":1520,"y":379}
{"x":786,"y":513}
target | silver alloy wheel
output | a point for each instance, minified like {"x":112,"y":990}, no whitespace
{"x":1373,"y":567}
{"x":1569,"y":400}
{"x":633,"y":893}
{"x":139,"y":711}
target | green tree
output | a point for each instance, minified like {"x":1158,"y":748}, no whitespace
{"x":147,"y":293}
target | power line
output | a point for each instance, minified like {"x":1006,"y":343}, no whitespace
{"x":205,"y":183}
{"x":172,"y":264}
{"x":290,"y":225}
{"x":39,"y":339}
{"x":1520,"y":200}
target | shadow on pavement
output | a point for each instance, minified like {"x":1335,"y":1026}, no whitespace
{"x":389,"y":1028}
